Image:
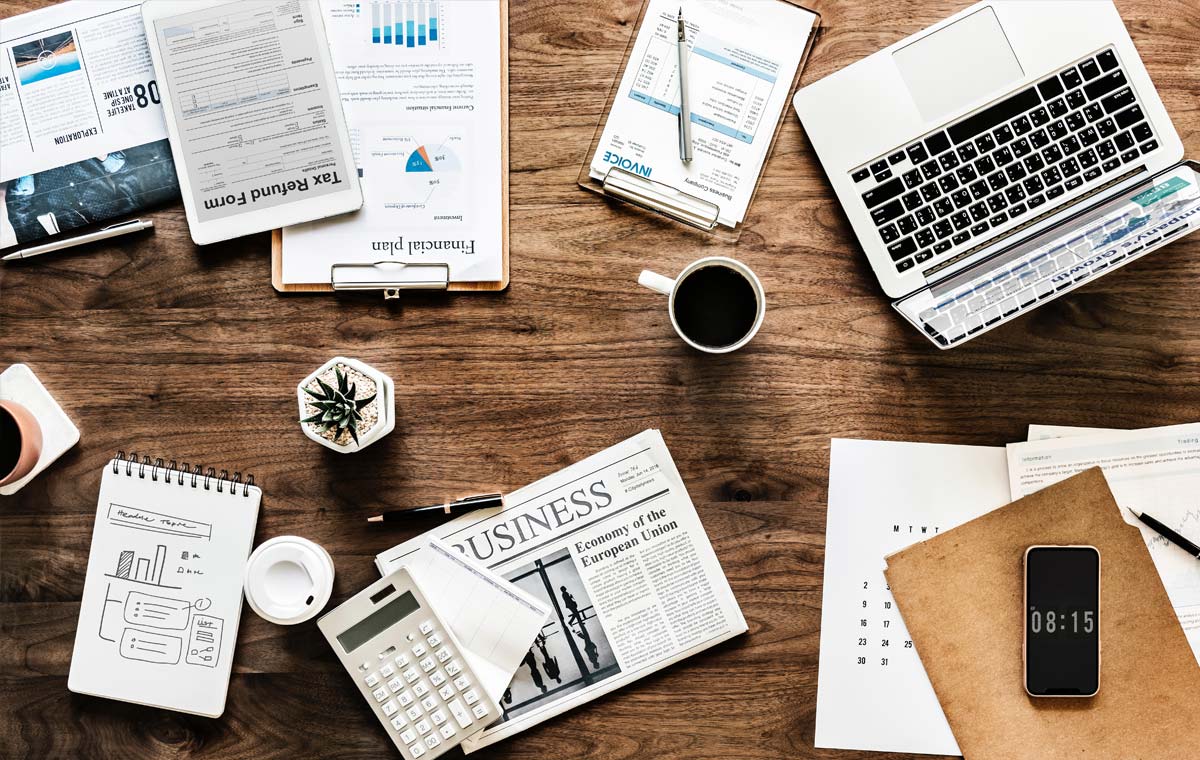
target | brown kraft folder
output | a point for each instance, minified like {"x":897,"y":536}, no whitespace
{"x":961,"y":596}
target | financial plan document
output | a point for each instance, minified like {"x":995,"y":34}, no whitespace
{"x":421,"y":86}
{"x":743,"y":60}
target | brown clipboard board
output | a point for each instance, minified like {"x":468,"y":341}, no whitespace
{"x":502,"y":283}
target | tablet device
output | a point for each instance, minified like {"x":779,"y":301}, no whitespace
{"x":253,"y":114}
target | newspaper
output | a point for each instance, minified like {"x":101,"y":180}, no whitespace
{"x":614,"y":546}
{"x":82,"y":133}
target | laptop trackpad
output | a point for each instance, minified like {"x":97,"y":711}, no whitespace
{"x":957,"y":65}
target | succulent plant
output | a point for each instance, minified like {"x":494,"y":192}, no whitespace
{"x":337,"y":409}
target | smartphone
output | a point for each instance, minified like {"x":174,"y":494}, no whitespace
{"x":1062,"y":621}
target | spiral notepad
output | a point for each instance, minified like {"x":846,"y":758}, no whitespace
{"x":163,"y":594}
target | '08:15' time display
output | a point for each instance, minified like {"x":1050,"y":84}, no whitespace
{"x":1062,"y":622}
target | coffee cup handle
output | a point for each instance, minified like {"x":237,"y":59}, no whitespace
{"x":656,"y":282}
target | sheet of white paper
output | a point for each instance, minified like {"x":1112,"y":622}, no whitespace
{"x":872,"y":692}
{"x":1155,"y":470}
{"x":422,"y":101}
{"x":743,"y":61}
{"x":494,"y":621}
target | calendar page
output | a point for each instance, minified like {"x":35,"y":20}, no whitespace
{"x":872,"y":692}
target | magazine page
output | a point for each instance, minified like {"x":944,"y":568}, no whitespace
{"x":614,"y":546}
{"x":82,"y":134}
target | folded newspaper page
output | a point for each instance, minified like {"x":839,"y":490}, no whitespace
{"x":83,"y":138}
{"x":614,"y":546}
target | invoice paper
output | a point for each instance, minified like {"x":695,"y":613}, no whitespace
{"x":421,"y":86}
{"x":872,"y":692}
{"x":494,"y":621}
{"x":1157,"y":471}
{"x":741,"y":67}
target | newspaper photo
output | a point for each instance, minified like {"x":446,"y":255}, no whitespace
{"x":82,"y":134}
{"x":614,"y":547}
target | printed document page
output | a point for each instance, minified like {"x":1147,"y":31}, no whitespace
{"x":256,"y":118}
{"x":872,"y":692}
{"x":1157,"y":471}
{"x":742,"y":63}
{"x":495,"y":622}
{"x":421,"y":86}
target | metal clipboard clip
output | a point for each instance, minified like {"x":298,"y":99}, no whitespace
{"x":390,"y":276}
{"x":662,"y":198}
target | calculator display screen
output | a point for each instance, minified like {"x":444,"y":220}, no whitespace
{"x":378,"y":621}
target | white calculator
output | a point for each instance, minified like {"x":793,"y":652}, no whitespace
{"x":408,"y":666}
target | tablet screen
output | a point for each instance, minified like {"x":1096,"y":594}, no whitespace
{"x":253,"y":107}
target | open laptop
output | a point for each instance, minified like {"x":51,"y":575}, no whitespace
{"x":993,"y":161}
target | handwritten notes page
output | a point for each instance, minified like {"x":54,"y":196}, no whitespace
{"x":163,"y":592}
{"x":872,"y":692}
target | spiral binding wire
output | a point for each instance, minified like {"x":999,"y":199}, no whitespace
{"x":199,"y":475}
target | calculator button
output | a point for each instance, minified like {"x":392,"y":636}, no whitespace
{"x":428,"y":664}
{"x":471,"y":697}
{"x":447,"y":731}
{"x":401,"y":660}
{"x":461,"y":682}
{"x":479,"y":710}
{"x":373,"y":680}
{"x":387,"y":671}
{"x":429,"y":703}
{"x":395,"y":685}
{"x":437,"y":679}
{"x":365,"y":667}
{"x":420,"y":689}
{"x":399,"y":723}
{"x":427,"y":627}
{"x":461,"y":716}
{"x":432,"y":741}
{"x":423,"y":727}
{"x":410,"y":637}
{"x":380,"y":694}
{"x":408,"y":736}
{"x":390,"y":708}
{"x":443,"y":654}
{"x":446,"y":692}
{"x":411,"y":675}
{"x":417,"y":749}
{"x":454,"y":668}
{"x":438,"y":717}
{"x":406,"y":699}
{"x":434,"y":640}
{"x":419,"y":649}
{"x":413,"y":712}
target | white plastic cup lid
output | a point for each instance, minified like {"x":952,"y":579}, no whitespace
{"x":289,"y":579}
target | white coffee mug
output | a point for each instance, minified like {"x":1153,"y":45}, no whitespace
{"x":670,"y":288}
{"x":289,"y":579}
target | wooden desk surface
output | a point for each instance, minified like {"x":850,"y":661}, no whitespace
{"x":153,"y":344}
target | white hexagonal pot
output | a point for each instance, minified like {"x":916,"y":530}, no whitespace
{"x":382,"y":409}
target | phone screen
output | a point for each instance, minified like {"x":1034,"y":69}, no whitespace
{"x":1062,"y":621}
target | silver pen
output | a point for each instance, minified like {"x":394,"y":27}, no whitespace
{"x":685,"y":113}
{"x":124,"y":228}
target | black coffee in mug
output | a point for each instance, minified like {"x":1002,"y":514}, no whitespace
{"x":10,"y":443}
{"x":715,"y":306}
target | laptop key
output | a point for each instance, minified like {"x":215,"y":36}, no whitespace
{"x":886,"y":213}
{"x":1050,"y":88}
{"x":1142,"y":132}
{"x":889,"y":233}
{"x":912,"y":200}
{"x":943,"y":229}
{"x":1034,"y":163}
{"x":942,"y":247}
{"x":1003,"y":134}
{"x":1021,"y":125}
{"x":1015,"y":193}
{"x":1129,"y":156}
{"x":878,"y":166}
{"x":860,"y":175}
{"x":967,"y":174}
{"x":998,"y":219}
{"x":1076,"y":121}
{"x":1057,"y":107}
{"x":985,"y":143}
{"x":930,"y":169}
{"x":1114,"y":102}
{"x":1088,"y":158}
{"x":1108,"y":60}
{"x":1052,"y":176}
{"x":902,"y":248}
{"x":885,"y":174}
{"x":930,"y":191}
{"x":1105,"y":84}
{"x":1057,"y":130}
{"x":943,"y":206}
{"x":1124,"y":141}
{"x":1070,"y":145}
{"x":1015,"y":173}
{"x":1073,"y":182}
{"x":979,"y":190}
{"x":1021,"y":148}
{"x":1088,"y":136}
{"x":937,"y":143}
{"x":1033,"y":185}
{"x":985,"y":165}
{"x":905,"y":265}
{"x":1017,"y":210}
{"x":979,"y":229}
{"x":1129,"y":117}
{"x":1069,"y":168}
{"x":947,"y":183}
{"x":1092,"y":174}
{"x":1076,"y":99}
{"x":1057,"y":190}
{"x":961,"y":221}
{"x":1052,"y":154}
{"x":896,"y":157}
{"x":923,"y":256}
{"x":1036,"y":200}
{"x":1107,"y":128}
{"x":883,"y":193}
{"x":961,"y":198}
{"x":961,"y":238}
{"x":978,"y":212}
{"x":912,"y":178}
{"x":924,"y":216}
{"x":907,"y":225}
{"x":924,"y":238}
{"x":1148,"y":146}
{"x":1089,"y":69}
{"x":967,"y":152}
{"x":1111,"y":165}
{"x":1106,"y":150}
{"x":1039,"y":139}
{"x":1071,"y":78}
{"x":1003,"y":156}
{"x":948,"y":161}
{"x":916,"y":153}
{"x":997,"y":181}
{"x":997,"y":202}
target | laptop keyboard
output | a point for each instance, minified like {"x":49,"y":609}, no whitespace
{"x":945,"y":193}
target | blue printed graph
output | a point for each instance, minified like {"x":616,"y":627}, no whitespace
{"x":441,"y":159}
{"x":408,"y":23}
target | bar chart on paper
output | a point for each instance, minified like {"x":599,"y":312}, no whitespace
{"x":407,"y":23}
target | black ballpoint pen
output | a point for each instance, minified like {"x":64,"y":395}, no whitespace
{"x":1168,"y":534}
{"x":456,"y":507}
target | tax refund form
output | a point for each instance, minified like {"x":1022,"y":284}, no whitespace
{"x":494,"y":621}
{"x":743,"y":61}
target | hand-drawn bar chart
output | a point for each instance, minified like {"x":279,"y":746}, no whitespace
{"x":131,"y":567}
{"x":408,"y":23}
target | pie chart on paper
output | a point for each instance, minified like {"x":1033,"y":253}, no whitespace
{"x":439,"y":159}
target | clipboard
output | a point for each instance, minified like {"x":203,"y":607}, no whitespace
{"x":393,"y":277}
{"x":682,"y":208}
